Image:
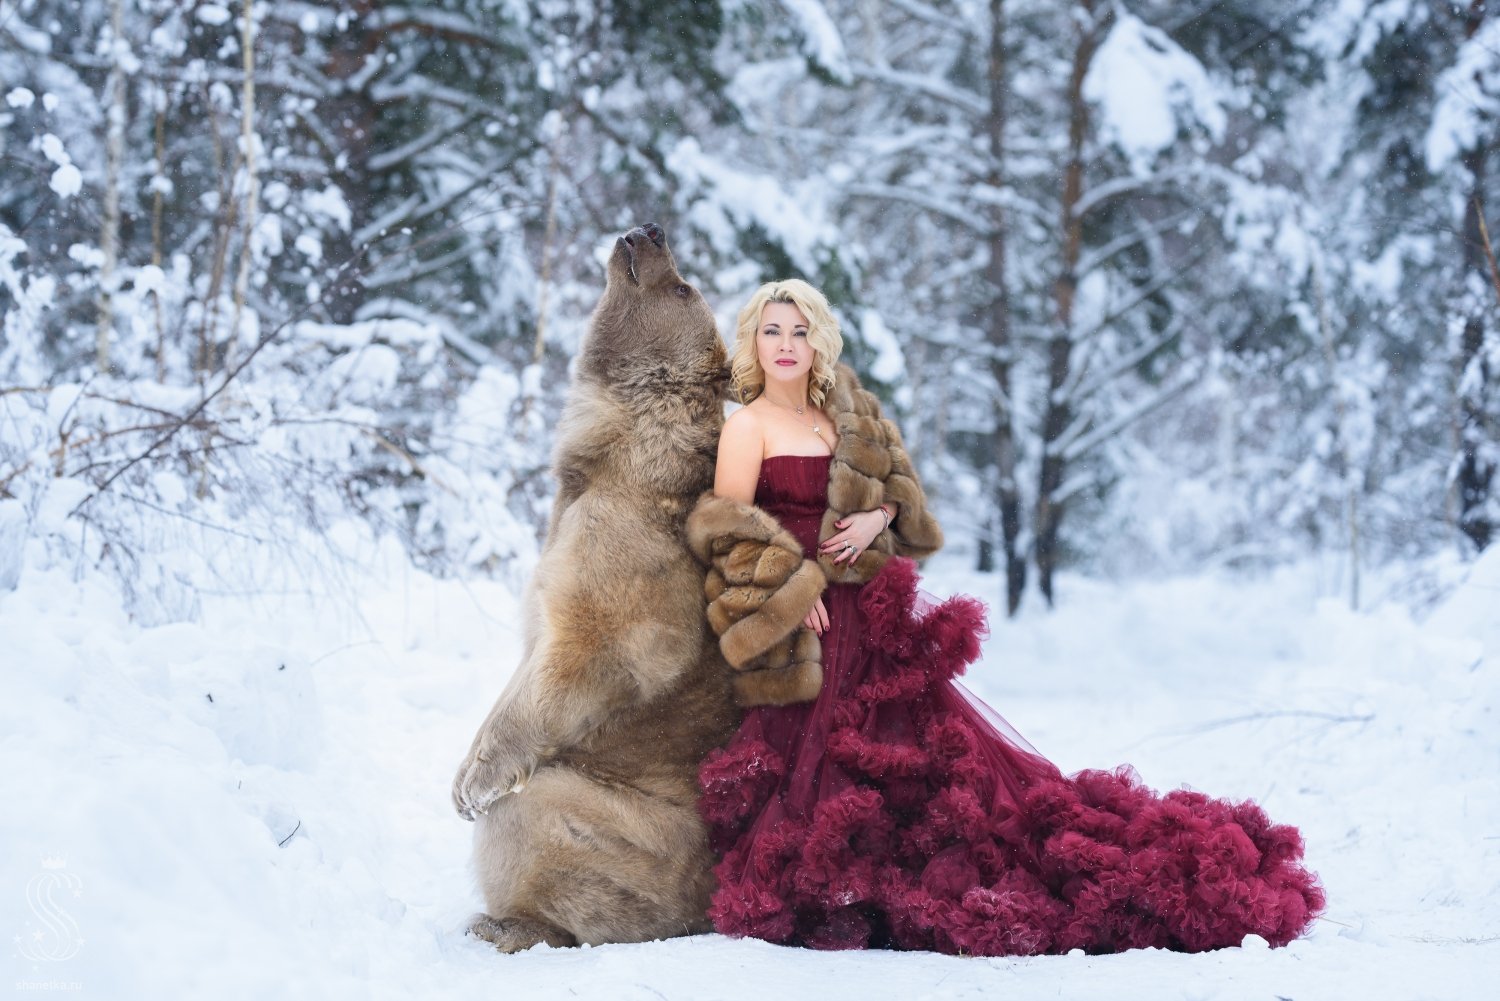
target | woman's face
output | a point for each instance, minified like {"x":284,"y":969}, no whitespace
{"x":781,"y":344}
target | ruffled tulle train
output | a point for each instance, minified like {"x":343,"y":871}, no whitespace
{"x":899,"y":811}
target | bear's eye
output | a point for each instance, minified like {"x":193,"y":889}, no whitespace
{"x":683,"y":291}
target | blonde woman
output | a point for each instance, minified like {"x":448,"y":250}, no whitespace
{"x":786,"y":345}
{"x":868,"y":800}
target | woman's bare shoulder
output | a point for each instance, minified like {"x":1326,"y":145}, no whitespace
{"x":747,"y":413}
{"x":743,"y":425}
{"x":741,"y":445}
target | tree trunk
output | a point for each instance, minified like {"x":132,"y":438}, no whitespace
{"x":984,"y":560}
{"x":998,"y":333}
{"x":352,"y":117}
{"x":114,"y":151}
{"x":1476,"y":470}
{"x":549,"y":234}
{"x":156,"y":211}
{"x":1057,"y":413}
{"x":1350,"y":482}
{"x":1476,"y":466}
{"x":248,"y":139}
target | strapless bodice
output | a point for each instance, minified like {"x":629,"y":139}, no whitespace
{"x":794,"y":488}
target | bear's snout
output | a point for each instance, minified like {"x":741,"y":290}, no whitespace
{"x":650,"y":231}
{"x":641,"y":259}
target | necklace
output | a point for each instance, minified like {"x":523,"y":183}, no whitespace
{"x":814,"y":425}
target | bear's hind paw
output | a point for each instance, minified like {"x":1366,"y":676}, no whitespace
{"x":518,"y":934}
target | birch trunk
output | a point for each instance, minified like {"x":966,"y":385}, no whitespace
{"x":109,"y":234}
{"x":252,"y":178}
{"x":156,"y":212}
{"x":1343,"y":465}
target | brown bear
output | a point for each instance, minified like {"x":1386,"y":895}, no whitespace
{"x":581,"y":780}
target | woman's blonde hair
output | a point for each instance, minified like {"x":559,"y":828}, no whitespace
{"x":747,"y":377}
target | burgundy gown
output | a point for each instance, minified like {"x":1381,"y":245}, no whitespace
{"x":898,"y":811}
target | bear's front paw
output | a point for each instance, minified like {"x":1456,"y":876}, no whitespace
{"x":494,"y":768}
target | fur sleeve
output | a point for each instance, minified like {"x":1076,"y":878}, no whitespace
{"x":913,"y":529}
{"x":759,"y":589}
{"x":870,"y":467}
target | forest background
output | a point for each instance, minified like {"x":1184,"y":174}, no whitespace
{"x":1150,"y":286}
{"x":1186,"y":309}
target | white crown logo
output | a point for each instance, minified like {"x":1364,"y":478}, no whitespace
{"x":54,"y":862}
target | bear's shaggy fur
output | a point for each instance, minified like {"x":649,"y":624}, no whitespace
{"x":581,"y":780}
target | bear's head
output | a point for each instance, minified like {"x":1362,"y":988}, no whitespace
{"x":652,"y":330}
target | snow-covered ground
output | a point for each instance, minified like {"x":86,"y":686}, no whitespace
{"x":256,"y":803}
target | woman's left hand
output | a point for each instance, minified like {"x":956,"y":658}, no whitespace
{"x":859,"y":530}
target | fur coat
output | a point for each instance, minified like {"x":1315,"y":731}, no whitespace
{"x":761,"y":585}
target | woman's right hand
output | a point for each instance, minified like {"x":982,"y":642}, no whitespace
{"x":817,"y":619}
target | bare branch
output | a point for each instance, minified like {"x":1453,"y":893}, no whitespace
{"x":417,"y":269}
{"x":11,"y":478}
{"x":1088,"y":442}
{"x":176,"y":426}
{"x":380,"y":436}
{"x":271,"y":81}
{"x":1119,"y":187}
{"x":487,"y":174}
{"x":1092,"y":260}
{"x":1131,"y":359}
{"x":938,"y":206}
{"x":925,"y":86}
{"x":447,"y":25}
{"x":394,"y":157}
{"x":394,"y":217}
{"x":931,"y":15}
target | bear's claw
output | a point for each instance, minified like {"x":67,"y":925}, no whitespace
{"x":491,"y":771}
